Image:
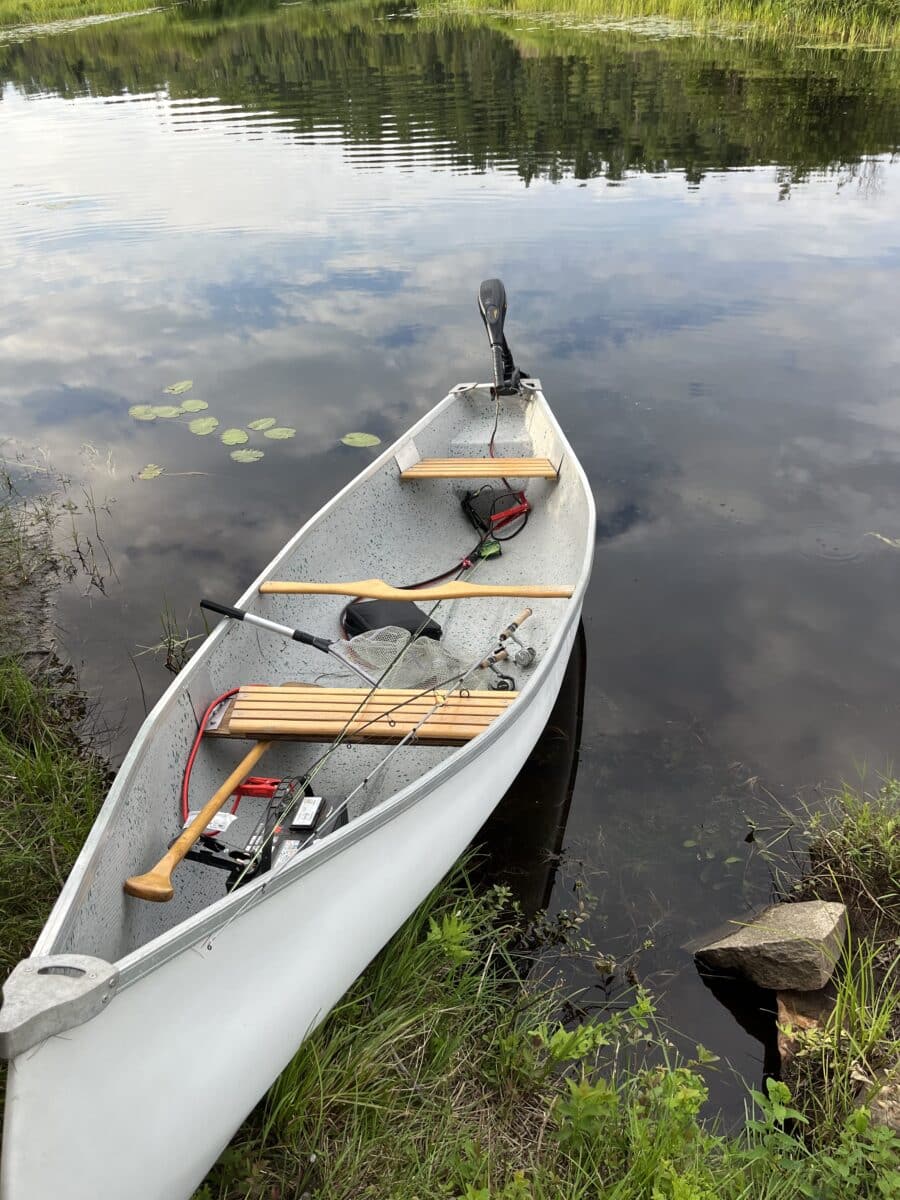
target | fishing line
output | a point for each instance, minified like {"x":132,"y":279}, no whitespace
{"x":340,"y":808}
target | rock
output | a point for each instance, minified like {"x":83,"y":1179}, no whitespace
{"x":884,"y":1106}
{"x":799,"y":1012}
{"x":789,"y":946}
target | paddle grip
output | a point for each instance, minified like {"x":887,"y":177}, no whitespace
{"x":224,"y":610}
{"x":308,"y":639}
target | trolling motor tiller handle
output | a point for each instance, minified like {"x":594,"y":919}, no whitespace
{"x":492,"y":306}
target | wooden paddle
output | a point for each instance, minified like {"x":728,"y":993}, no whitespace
{"x":377,"y":589}
{"x":157,"y":884}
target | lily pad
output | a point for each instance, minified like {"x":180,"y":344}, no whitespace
{"x":176,"y":389}
{"x":235,"y":437}
{"x":280,"y":433}
{"x":167,"y":410}
{"x":193,"y":405}
{"x":203,"y":425}
{"x":262,"y":423}
{"x":142,"y":412}
{"x":361,"y":439}
{"x":247,"y":455}
{"x":151,"y":471}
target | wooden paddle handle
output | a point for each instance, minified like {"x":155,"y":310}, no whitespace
{"x":157,"y":884}
{"x":377,"y":589}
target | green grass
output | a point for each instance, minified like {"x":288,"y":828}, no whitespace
{"x":830,"y":22}
{"x":51,"y":787}
{"x":854,"y":856}
{"x":446,"y":1073}
{"x":41,"y":12}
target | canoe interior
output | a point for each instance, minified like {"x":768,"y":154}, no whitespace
{"x":401,"y":532}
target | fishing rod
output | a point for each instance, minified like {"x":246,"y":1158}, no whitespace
{"x":383,"y":647}
{"x":300,"y":785}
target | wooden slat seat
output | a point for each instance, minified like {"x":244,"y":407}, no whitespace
{"x":304,"y":712}
{"x":481,"y":468}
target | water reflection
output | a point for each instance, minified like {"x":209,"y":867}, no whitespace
{"x":393,"y":85}
{"x":293,"y":207}
{"x":522,"y":840}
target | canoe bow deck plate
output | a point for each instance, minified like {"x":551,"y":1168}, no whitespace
{"x":308,"y":713}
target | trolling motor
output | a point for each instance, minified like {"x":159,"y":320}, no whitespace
{"x":492,"y":306}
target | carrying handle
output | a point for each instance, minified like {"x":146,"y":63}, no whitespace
{"x":377,"y":589}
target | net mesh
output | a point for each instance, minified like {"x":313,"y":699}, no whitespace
{"x":422,"y":662}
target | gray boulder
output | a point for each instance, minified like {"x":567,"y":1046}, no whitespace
{"x":884,"y":1106}
{"x":792,"y":946}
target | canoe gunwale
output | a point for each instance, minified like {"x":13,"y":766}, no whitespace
{"x":205,"y":923}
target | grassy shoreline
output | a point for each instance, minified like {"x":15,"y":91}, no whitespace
{"x":42,"y":12}
{"x":827,"y":23}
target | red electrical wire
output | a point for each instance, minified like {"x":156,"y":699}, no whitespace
{"x":186,"y":780}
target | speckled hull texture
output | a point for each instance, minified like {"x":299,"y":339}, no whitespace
{"x":377,"y":527}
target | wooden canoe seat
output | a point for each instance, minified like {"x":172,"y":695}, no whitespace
{"x":481,"y":468}
{"x":306,"y":713}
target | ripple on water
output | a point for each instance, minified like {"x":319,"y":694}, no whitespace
{"x":824,"y":542}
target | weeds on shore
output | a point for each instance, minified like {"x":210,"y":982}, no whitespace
{"x":447,"y":1072}
{"x":51,"y":788}
{"x":37,"y":12}
{"x":851,"y":855}
{"x":832,"y":23}
{"x":854,"y":856}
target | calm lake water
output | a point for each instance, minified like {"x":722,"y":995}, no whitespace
{"x":292,"y":206}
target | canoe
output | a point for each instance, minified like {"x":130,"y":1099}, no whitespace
{"x":140,"y":1034}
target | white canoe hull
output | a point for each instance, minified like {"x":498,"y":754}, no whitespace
{"x":137,"y":1098}
{"x":140,"y":1101}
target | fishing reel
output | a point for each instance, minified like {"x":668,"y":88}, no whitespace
{"x":524,"y":656}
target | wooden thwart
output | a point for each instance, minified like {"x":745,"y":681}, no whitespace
{"x":377,"y":589}
{"x":387,"y":715}
{"x":481,"y":468}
